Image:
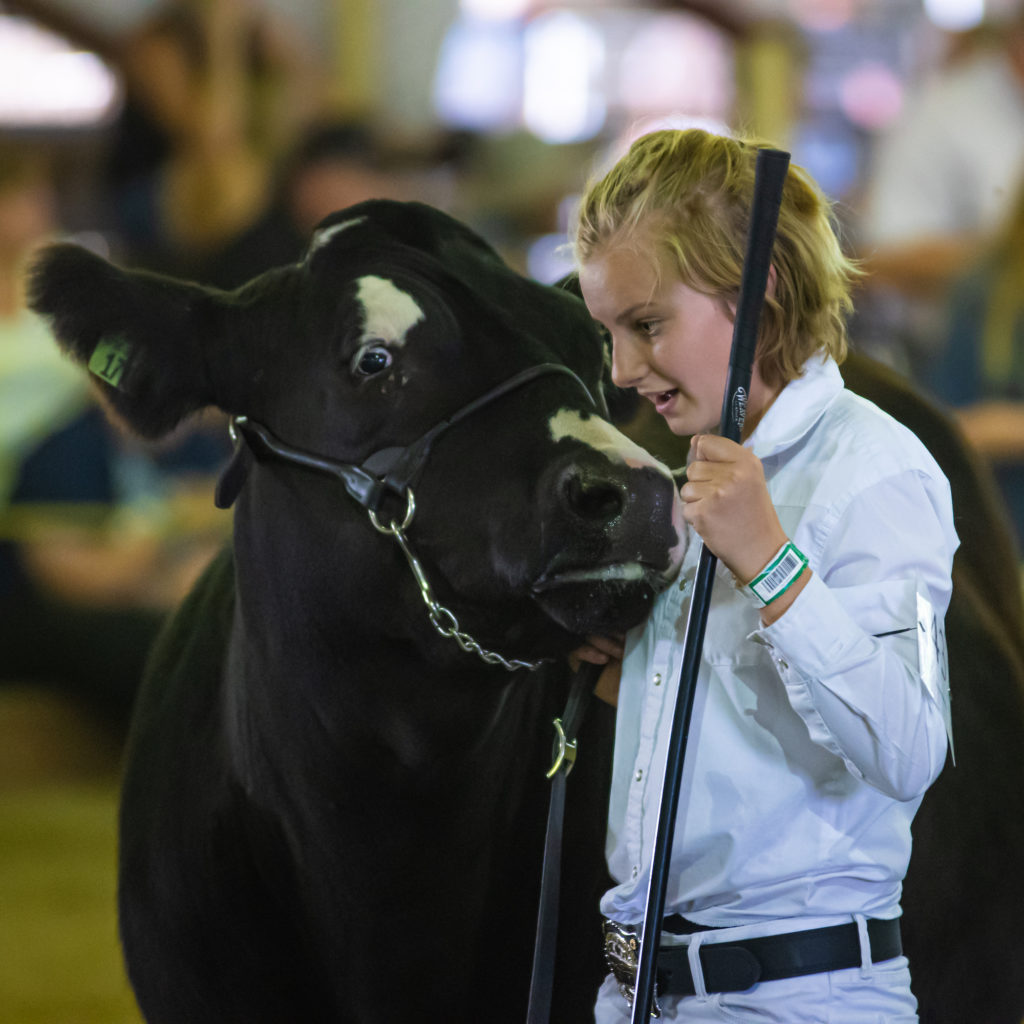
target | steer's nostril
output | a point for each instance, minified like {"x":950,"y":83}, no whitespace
{"x":592,"y":497}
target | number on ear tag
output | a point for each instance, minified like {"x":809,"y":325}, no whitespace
{"x":109,"y":360}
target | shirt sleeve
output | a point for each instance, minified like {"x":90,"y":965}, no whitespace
{"x":847,"y":648}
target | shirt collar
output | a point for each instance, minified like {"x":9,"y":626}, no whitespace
{"x":798,"y":407}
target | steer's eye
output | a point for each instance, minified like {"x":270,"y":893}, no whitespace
{"x":371,"y":359}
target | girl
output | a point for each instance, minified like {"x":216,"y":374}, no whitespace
{"x":820,"y":713}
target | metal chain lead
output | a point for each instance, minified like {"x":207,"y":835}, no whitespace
{"x":443,"y":619}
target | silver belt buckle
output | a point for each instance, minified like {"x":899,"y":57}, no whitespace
{"x":622,"y":957}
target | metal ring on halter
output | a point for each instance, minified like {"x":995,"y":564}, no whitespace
{"x":410,"y":511}
{"x":566,"y":750}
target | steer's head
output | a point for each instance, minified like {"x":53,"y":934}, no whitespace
{"x":535,"y":521}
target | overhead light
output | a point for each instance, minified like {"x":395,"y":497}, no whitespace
{"x":45,"y":83}
{"x":563,"y":63}
{"x":955,"y":15}
{"x":497,"y":10}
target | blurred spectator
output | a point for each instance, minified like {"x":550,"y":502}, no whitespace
{"x":946,"y":173}
{"x":943,"y":178}
{"x":96,"y":538}
{"x":979,"y":369}
{"x":216,"y":91}
{"x":40,"y":391}
{"x":335,"y":165}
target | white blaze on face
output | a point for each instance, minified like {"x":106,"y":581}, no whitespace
{"x":388,"y":312}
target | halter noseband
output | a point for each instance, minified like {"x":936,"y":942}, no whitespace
{"x":389,"y":471}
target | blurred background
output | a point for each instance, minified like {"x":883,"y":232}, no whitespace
{"x":207,"y":137}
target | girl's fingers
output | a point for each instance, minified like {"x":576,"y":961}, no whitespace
{"x":598,"y":650}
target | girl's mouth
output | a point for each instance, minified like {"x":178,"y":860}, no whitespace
{"x":663,"y":400}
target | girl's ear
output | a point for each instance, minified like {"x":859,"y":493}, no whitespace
{"x":729,"y":304}
{"x":143,"y":337}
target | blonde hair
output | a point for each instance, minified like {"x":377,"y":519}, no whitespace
{"x":686,"y":195}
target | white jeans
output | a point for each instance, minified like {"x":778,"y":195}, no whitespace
{"x":870,"y":994}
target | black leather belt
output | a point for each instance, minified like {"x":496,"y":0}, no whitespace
{"x":737,"y":966}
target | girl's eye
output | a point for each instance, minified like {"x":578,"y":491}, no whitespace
{"x":371,"y":360}
{"x":648,"y":327}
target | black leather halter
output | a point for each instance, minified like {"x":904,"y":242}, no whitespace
{"x":389,"y":471}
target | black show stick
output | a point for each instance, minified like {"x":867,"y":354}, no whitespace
{"x":770,"y":174}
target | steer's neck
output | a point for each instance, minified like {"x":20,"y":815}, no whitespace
{"x":376,"y":704}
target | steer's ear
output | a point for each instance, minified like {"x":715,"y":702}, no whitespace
{"x":141,"y":335}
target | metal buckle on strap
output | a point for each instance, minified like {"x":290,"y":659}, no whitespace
{"x":622,"y":957}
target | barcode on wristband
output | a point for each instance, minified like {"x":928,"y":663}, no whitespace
{"x":780,"y":573}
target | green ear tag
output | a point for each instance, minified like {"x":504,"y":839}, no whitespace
{"x":110,"y":360}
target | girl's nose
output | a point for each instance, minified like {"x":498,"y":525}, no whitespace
{"x":628,"y":363}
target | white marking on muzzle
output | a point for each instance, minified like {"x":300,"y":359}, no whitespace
{"x":388,"y":312}
{"x":628,"y":572}
{"x":603,"y":437}
{"x":614,"y":445}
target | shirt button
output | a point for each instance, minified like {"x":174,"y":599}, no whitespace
{"x":657,"y":679}
{"x":639,"y":774}
{"x":636,"y":871}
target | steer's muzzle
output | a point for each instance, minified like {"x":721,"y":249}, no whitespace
{"x":593,"y":495}
{"x":616,"y":540}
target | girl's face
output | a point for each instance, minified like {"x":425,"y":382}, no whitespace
{"x":670,"y":342}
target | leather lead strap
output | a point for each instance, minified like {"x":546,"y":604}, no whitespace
{"x":542,"y":979}
{"x":234,"y":475}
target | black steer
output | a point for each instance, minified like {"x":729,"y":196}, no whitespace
{"x":331,"y":812}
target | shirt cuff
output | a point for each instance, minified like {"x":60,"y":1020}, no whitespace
{"x":815,"y":631}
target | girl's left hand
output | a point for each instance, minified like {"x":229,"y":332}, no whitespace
{"x":606,"y":651}
{"x":599,"y":650}
{"x":726,"y":500}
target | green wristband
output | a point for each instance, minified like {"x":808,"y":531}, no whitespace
{"x":778,"y":575}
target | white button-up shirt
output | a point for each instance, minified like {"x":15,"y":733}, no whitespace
{"x":812,"y":740}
